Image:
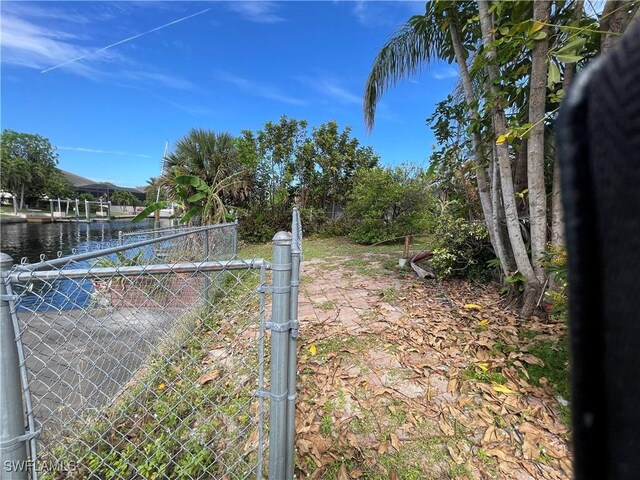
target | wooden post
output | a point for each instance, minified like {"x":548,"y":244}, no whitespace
{"x":407,"y":244}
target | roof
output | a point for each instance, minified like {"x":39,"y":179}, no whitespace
{"x":87,"y":184}
{"x":77,"y":180}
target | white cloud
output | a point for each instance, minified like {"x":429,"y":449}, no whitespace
{"x":332,"y":89}
{"x":259,"y":90}
{"x":28,"y":44}
{"x":109,"y":152}
{"x":385,"y":14}
{"x":31,"y":39}
{"x":444,"y":74}
{"x":256,"y":11}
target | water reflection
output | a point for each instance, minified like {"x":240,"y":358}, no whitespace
{"x":31,"y":240}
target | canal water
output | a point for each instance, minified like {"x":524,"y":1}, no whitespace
{"x":31,"y":240}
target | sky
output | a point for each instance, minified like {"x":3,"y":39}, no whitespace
{"x":108,"y":83}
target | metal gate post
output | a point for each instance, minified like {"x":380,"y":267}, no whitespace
{"x":279,"y":326}
{"x":293,"y":349}
{"x":235,"y":237}
{"x":207,"y":276}
{"x":13,"y":450}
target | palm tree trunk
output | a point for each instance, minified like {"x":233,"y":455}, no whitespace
{"x":532,"y":285}
{"x":488,"y":208}
{"x":535,"y":143}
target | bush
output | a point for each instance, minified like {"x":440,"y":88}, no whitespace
{"x":554,"y":259}
{"x":387,"y":203}
{"x":461,"y":248}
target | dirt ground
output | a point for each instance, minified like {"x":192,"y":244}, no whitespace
{"x":407,"y":379}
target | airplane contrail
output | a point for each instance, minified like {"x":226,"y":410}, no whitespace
{"x":125,"y":40}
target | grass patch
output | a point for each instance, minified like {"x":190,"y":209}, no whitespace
{"x":170,"y":423}
{"x":390,"y":294}
{"x":328,"y":305}
{"x":476,"y":373}
{"x":555,"y":355}
{"x":322,"y":248}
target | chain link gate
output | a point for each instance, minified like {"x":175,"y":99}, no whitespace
{"x":147,"y":359}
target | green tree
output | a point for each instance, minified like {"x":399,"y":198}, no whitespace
{"x":123,"y":198}
{"x":208,"y":156}
{"x":28,"y":161}
{"x":338,"y":157}
{"x":57,"y":185}
{"x":386,"y":203}
{"x":515,"y":60}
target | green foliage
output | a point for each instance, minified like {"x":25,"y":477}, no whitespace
{"x":461,"y":248}
{"x":121,"y":197}
{"x":386,"y":203}
{"x":555,"y":262}
{"x":121,"y":260}
{"x":29,"y":166}
{"x":86,"y":196}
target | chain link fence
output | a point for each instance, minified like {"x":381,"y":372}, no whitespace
{"x":148,"y":357}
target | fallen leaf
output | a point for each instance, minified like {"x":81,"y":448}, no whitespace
{"x":484,"y":322}
{"x":342,"y":473}
{"x":502,"y":389}
{"x":313,"y":349}
{"x":162,"y":387}
{"x":209,"y":377}
{"x":395,"y":442}
{"x":472,"y":306}
{"x":483,"y":366}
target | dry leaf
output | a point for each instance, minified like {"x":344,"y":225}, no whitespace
{"x":313,"y":350}
{"x":209,"y":377}
{"x":162,"y":387}
{"x":395,"y":442}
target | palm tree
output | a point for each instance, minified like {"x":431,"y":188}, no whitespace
{"x":210,"y":157}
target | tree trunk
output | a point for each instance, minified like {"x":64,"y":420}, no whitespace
{"x":535,"y":144}
{"x":499,"y":245}
{"x":481,"y":177}
{"x":557,"y":220}
{"x":22,"y":197}
{"x":15,"y":204}
{"x":532,"y":285}
{"x":616,"y":17}
{"x":520,"y":178}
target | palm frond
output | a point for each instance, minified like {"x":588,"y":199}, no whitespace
{"x":416,"y":43}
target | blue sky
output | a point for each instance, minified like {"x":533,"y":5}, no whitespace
{"x":229,"y":66}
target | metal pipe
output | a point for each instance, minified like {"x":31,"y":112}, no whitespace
{"x":280,"y":315}
{"x":235,"y":237}
{"x":136,"y":270}
{"x":191,"y":229}
{"x":13,"y":449}
{"x":263,"y":281}
{"x":296,"y":251}
{"x":207,"y":277}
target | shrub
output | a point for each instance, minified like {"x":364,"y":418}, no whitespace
{"x":386,"y":203}
{"x":461,"y":248}
{"x":554,"y":259}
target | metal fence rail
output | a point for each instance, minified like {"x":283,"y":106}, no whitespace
{"x":145,"y":359}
